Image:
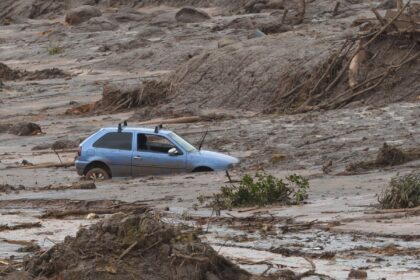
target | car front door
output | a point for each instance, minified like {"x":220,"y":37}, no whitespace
{"x":152,"y":157}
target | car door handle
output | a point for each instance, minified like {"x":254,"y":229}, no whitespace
{"x":137,"y":157}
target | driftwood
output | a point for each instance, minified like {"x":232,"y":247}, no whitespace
{"x":45,"y":165}
{"x":20,"y":226}
{"x":191,"y":119}
{"x":302,"y":12}
{"x":336,"y":7}
{"x":126,"y":251}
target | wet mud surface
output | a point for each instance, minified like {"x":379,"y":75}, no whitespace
{"x":339,"y":229}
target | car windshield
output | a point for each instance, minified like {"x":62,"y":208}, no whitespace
{"x":182,"y":142}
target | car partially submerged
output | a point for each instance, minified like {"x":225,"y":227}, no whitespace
{"x":128,"y":151}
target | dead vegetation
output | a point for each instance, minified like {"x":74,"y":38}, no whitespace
{"x":402,"y":192}
{"x":381,"y":59}
{"x":376,"y":66}
{"x":386,"y":156}
{"x":264,"y":189}
{"x":118,"y":97}
{"x":136,"y":246}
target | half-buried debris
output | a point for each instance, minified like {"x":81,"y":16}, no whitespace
{"x":21,"y":129}
{"x":387,"y":156}
{"x":118,"y":97}
{"x":135,"y":246}
{"x":8,"y":74}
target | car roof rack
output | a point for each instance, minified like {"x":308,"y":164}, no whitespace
{"x":158,"y":127}
{"x":120,"y":126}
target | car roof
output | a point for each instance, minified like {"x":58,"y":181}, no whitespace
{"x":137,"y":129}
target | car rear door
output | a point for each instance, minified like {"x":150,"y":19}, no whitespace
{"x":115,"y":149}
{"x":151,"y":156}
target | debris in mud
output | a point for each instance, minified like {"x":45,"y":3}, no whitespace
{"x":127,"y":246}
{"x":30,"y":248}
{"x":402,"y":192}
{"x":379,"y":62}
{"x":4,"y":127}
{"x":64,"y":144}
{"x":20,"y":226}
{"x":190,"y":14}
{"x":336,"y":74}
{"x":83,"y":185}
{"x":25,"y":129}
{"x":84,"y":208}
{"x":6,"y":188}
{"x":256,"y":6}
{"x":271,"y":25}
{"x":25,"y":162}
{"x":118,"y":97}
{"x":357,"y":274}
{"x":387,"y":156}
{"x":8,"y":74}
{"x":263,"y":190}
{"x":81,"y":14}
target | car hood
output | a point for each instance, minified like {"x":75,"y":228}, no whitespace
{"x":215,"y":155}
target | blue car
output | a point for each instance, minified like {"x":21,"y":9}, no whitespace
{"x":125,"y":151}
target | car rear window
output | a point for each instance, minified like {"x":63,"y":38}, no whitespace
{"x":115,"y":140}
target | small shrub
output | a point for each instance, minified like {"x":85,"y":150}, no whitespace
{"x":54,"y":49}
{"x":402,"y":192}
{"x":262,"y":190}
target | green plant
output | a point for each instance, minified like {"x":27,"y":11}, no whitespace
{"x":262,"y":190}
{"x":54,"y":49}
{"x":402,"y":192}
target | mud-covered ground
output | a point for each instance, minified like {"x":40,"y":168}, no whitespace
{"x":340,"y":227}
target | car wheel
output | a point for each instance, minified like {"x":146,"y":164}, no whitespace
{"x":97,"y":174}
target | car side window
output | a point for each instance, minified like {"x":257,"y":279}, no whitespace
{"x":153,"y":143}
{"x":115,"y":140}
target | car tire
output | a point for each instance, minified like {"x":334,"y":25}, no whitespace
{"x":97,"y":174}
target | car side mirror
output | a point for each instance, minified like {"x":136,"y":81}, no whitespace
{"x":173,"y":152}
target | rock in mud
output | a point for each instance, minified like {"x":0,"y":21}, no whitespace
{"x":25,"y":129}
{"x":190,"y":14}
{"x":140,"y":243}
{"x":81,"y":14}
{"x":64,"y":144}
